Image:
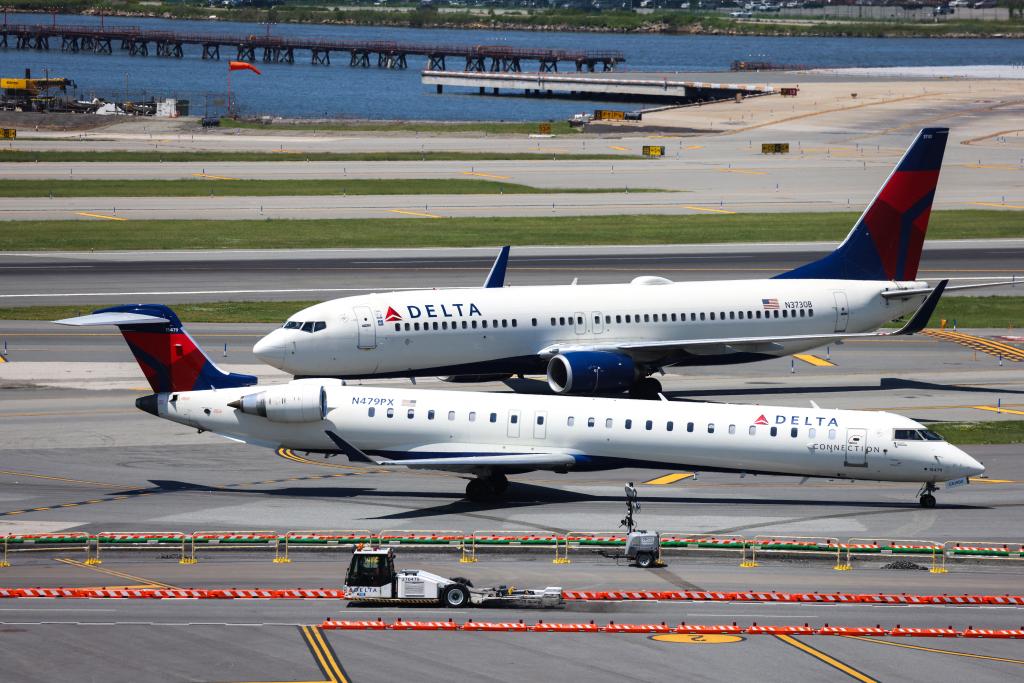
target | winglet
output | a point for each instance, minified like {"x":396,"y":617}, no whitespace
{"x":924,"y":313}
{"x":496,"y":278}
{"x":347,"y":449}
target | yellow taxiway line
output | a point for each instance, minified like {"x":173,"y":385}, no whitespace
{"x":486,"y":175}
{"x":100,"y":215}
{"x":938,"y":651}
{"x":111,"y":572}
{"x":831,"y":661}
{"x":213,"y":177}
{"x":702,"y":208}
{"x":998,"y":206}
{"x":413,"y":213}
{"x":994,"y":409}
{"x":814,"y":360}
{"x":324,"y":655}
{"x":670,"y":478}
{"x":742,"y":170}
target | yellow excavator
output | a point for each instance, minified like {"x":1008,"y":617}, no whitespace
{"x":32,"y":94}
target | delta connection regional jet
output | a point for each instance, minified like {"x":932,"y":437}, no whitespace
{"x":610,"y":338}
{"x":490,"y":435}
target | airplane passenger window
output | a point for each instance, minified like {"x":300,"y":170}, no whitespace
{"x":540,"y":419}
{"x":552,"y":322}
{"x":702,"y":316}
{"x":649,"y":425}
{"x":629,"y":424}
{"x":495,"y":324}
{"x":669,"y":426}
{"x":758,"y":314}
{"x":590,"y":421}
{"x":292,"y":325}
{"x":810,"y":312}
{"x":647,"y":317}
{"x":515,"y":323}
{"x":793,"y":432}
{"x":711,"y":428}
{"x":319,"y":325}
{"x":514,"y":419}
{"x":803,"y":313}
{"x":416,"y":326}
{"x":627,"y":318}
{"x":474,"y":324}
{"x":451,"y":415}
{"x":398,"y":327}
{"x":412,"y":413}
{"x":430,"y":414}
{"x":722,"y":315}
{"x":472,"y":416}
{"x":673,"y":317}
{"x":812,"y":432}
{"x":465,"y":324}
{"x":494,"y":417}
{"x":776,"y":314}
{"x":732,"y":429}
{"x":435,"y":326}
{"x":391,"y":412}
{"x":483,"y":324}
{"x":618,"y":318}
{"x":307,"y":327}
{"x":831,"y":435}
{"x":712,"y":315}
{"x":534,"y":322}
{"x":570,"y":421}
{"x":504,"y":323}
{"x":750,"y":315}
{"x":407,"y":326}
{"x":579,"y":320}
{"x":561,"y":320}
{"x":752,"y":430}
{"x":774,"y":431}
{"x":607,"y":320}
{"x":785,"y":314}
{"x":608,"y":423}
{"x":371,"y":411}
{"x":597,"y":320}
{"x":689,"y":426}
{"x":444,"y":324}
{"x":732,"y":315}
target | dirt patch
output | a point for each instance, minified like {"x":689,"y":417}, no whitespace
{"x":30,"y":121}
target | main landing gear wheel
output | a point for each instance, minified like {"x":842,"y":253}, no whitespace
{"x":498,"y":482}
{"x":647,"y":389}
{"x":927,"y":500}
{"x":484,"y":489}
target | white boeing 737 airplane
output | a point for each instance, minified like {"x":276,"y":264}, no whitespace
{"x":493,"y":435}
{"x":610,"y":338}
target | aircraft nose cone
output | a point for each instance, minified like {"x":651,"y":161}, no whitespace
{"x":270,"y":351}
{"x":971,"y":467}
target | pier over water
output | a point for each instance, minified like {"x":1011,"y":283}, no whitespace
{"x":103,"y":40}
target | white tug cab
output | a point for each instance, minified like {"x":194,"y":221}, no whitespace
{"x":372,"y":577}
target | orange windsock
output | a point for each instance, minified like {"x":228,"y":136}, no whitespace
{"x":242,"y":66}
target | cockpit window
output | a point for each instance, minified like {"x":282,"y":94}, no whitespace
{"x":319,"y":325}
{"x":307,"y":327}
{"x":907,"y":435}
{"x":929,"y":435}
{"x":292,"y":325}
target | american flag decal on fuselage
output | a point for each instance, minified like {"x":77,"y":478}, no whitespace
{"x":770,"y":304}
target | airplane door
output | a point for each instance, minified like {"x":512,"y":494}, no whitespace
{"x":540,"y":426}
{"x":842,"y":311}
{"x":513,"y":424}
{"x":598,"y":325}
{"x":581,"y":322}
{"x":367,"y":336}
{"x":856,"y":448}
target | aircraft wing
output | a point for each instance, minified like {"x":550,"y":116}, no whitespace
{"x":462,"y":458}
{"x":754,"y":344}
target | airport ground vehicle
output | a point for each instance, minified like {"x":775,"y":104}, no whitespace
{"x":372,"y":577}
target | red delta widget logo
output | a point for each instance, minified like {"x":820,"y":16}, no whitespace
{"x":434,"y":311}
{"x":796,"y":420}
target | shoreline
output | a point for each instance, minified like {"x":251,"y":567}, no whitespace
{"x":665,"y":24}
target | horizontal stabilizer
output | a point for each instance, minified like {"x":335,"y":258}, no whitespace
{"x":113,"y":318}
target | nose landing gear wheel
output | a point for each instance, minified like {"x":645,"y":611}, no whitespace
{"x":927,"y":500}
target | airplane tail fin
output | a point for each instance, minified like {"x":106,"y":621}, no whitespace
{"x":167,"y":354}
{"x":886,"y":242}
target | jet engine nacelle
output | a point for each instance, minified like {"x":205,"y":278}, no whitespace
{"x":590,"y":372}
{"x":295,"y":402}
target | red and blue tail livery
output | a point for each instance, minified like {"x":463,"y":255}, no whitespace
{"x":167,"y":354}
{"x":887,"y":240}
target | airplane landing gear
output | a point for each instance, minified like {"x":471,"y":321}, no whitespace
{"x":926,"y":499}
{"x":485,"y":489}
{"x":646,"y":389}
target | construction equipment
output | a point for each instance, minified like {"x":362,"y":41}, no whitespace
{"x":372,"y":577}
{"x":643,"y":548}
{"x":32,"y":94}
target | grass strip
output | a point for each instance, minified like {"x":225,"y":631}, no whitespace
{"x":442,"y":127}
{"x":156,"y":156}
{"x":474,"y":231}
{"x":996,"y":432}
{"x":232,"y":187}
{"x":979,"y":312}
